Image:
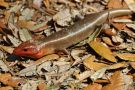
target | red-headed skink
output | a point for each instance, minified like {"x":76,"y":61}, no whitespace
{"x":67,"y":37}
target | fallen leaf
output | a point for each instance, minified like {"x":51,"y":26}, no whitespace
{"x":29,"y":71}
{"x":89,"y":63}
{"x":15,"y":41}
{"x":93,"y":86}
{"x":116,"y":4}
{"x":42,"y":85}
{"x":47,"y":3}
{"x":4,"y":4}
{"x":83,"y":75}
{"x":39,"y":27}
{"x":102,"y":81}
{"x":117,"y":82}
{"x":110,"y":32}
{"x":132,"y":64}
{"x":117,"y":39}
{"x":30,"y":85}
{"x":2,"y":25}
{"x":6,"y":88}
{"x":127,"y":56}
{"x":131,"y":4}
{"x":43,"y":59}
{"x":75,"y":55}
{"x":117,"y":65}
{"x":63,"y":17}
{"x":131,"y":26}
{"x":98,"y":74}
{"x":37,"y":3}
{"x":7,"y":79}
{"x":7,"y":49}
{"x":25,"y":24}
{"x":25,"y":35}
{"x":27,"y":14}
{"x":102,"y":51}
{"x":15,"y":8}
{"x":3,"y":66}
{"x":119,"y":26}
{"x":108,"y":41}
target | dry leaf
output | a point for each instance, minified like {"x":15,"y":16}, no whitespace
{"x":110,"y":32}
{"x":7,"y":79}
{"x":4,"y":4}
{"x":83,"y":75}
{"x":15,"y":41}
{"x":94,"y":86}
{"x":25,"y":24}
{"x":89,"y":63}
{"x":6,"y":88}
{"x":132,"y":64}
{"x":29,"y":71}
{"x":3,"y":66}
{"x":127,"y":56}
{"x":37,"y":3}
{"x":47,"y":3}
{"x":2,"y":25}
{"x":39,"y":27}
{"x":25,"y":35}
{"x":102,"y":51}
{"x":131,"y":4}
{"x":117,"y":82}
{"x":118,"y":65}
{"x":98,"y":74}
{"x":102,"y":81}
{"x":42,"y":86}
{"x":30,"y":85}
{"x":116,"y":4}
{"x":108,"y":41}
{"x":63,"y":17}
{"x":119,"y":26}
{"x":43,"y":59}
{"x":75,"y":55}
{"x":7,"y":49}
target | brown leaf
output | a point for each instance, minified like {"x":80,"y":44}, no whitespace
{"x":89,"y":63}
{"x":6,"y":88}
{"x":117,"y":82}
{"x":132,"y":64}
{"x":109,"y":32}
{"x":7,"y":79}
{"x":42,"y":86}
{"x":4,"y":4}
{"x":25,"y":24}
{"x":118,"y":65}
{"x":102,"y":51}
{"x":93,"y":86}
{"x":127,"y":56}
{"x":116,"y":4}
{"x":2,"y":25}
{"x":47,"y":3}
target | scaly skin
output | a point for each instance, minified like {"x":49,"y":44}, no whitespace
{"x":67,"y":37}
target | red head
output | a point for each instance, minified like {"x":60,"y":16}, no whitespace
{"x":28,"y":49}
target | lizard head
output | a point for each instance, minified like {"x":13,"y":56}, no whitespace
{"x":28,"y":49}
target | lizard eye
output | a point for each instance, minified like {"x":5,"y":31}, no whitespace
{"x":25,"y":50}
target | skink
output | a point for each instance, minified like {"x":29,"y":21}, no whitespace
{"x":67,"y":37}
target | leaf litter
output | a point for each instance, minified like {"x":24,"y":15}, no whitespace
{"x":105,"y":61}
